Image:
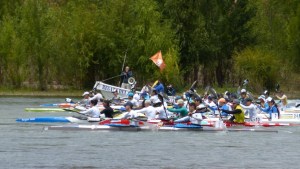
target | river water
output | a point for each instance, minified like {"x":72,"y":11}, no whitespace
{"x":29,"y":146}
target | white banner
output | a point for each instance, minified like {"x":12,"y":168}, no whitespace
{"x":110,"y":88}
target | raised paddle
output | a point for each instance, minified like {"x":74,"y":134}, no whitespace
{"x":161,"y":98}
{"x":192,"y":89}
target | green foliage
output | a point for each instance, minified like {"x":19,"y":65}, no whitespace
{"x":73,"y":43}
{"x":259,"y":66}
{"x":293,"y":40}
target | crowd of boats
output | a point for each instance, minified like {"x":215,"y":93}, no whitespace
{"x":109,"y":107}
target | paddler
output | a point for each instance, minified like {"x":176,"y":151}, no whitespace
{"x":263,"y":104}
{"x":134,"y":102}
{"x":148,"y":110}
{"x":193,"y":116}
{"x":85,"y":102}
{"x":146,"y":88}
{"x":96,"y":96}
{"x":116,"y":98}
{"x":223,"y":106}
{"x":181,"y":110}
{"x":130,"y":114}
{"x":211,"y":104}
{"x":272,"y":110}
{"x":238,"y":112}
{"x":107,"y":111}
{"x":243,"y":96}
{"x":154,"y":99}
{"x":283,"y":100}
{"x":250,"y":108}
{"x":159,"y":87}
{"x":93,"y":111}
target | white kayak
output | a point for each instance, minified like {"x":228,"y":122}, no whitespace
{"x":153,"y":128}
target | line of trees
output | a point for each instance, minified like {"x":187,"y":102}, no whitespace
{"x":217,"y":42}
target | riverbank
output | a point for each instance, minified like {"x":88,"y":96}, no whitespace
{"x":292,"y":94}
{"x":38,"y":93}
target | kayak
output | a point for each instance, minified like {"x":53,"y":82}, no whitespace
{"x":57,"y":120}
{"x":149,"y":128}
{"x":262,"y":124}
{"x":61,"y":105}
{"x":153,"y":122}
{"x":43,"y":109}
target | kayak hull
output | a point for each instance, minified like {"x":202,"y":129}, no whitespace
{"x":44,"y":109}
{"x":147,"y":128}
{"x":51,"y":120}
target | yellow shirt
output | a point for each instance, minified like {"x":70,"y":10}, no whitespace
{"x":239,"y":118}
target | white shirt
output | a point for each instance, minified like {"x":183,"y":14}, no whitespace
{"x":146,"y":89}
{"x":154,"y":99}
{"x":131,"y":115}
{"x":162,"y":112}
{"x":134,"y":102}
{"x":98,"y":97}
{"x":196,"y":118}
{"x":251,"y":110}
{"x":92,"y":112}
{"x":149,"y":111}
{"x":136,"y":96}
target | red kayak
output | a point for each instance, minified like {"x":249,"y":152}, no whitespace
{"x":155,"y":122}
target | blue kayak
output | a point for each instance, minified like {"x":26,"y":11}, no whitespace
{"x":47,"y":119}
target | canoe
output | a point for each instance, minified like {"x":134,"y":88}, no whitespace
{"x":147,"y":128}
{"x":44,"y":109}
{"x":57,"y":120}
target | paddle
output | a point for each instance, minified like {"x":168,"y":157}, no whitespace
{"x":192,"y":89}
{"x":161,"y":98}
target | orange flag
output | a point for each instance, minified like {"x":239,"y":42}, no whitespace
{"x":158,"y":60}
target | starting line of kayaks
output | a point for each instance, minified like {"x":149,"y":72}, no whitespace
{"x":153,"y":128}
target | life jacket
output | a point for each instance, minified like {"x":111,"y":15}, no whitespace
{"x":239,"y":118}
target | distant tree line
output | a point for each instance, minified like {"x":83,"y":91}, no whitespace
{"x":217,"y":42}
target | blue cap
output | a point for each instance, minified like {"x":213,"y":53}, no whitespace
{"x":130,"y":94}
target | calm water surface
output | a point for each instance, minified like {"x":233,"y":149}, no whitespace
{"x":29,"y":146}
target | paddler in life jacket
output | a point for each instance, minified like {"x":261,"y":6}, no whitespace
{"x":238,"y":112}
{"x":272,"y":110}
{"x":93,"y":111}
{"x":193,"y":116}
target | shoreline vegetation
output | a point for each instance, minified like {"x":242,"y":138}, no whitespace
{"x":291,"y":94}
{"x":46,"y":43}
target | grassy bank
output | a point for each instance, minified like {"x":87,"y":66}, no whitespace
{"x":48,"y":93}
